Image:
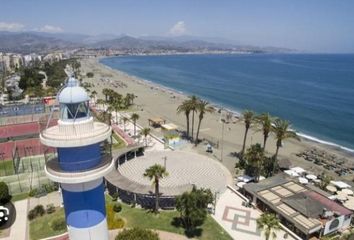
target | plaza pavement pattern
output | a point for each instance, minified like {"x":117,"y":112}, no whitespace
{"x":239,"y":221}
{"x":184,"y":168}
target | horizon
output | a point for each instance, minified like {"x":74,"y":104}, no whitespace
{"x":314,"y":27}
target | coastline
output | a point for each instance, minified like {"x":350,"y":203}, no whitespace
{"x":329,"y":143}
{"x":210,"y":129}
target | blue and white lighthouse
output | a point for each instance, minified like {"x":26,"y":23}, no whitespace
{"x":80,"y":163}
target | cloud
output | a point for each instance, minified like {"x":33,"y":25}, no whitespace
{"x":178,"y":29}
{"x":50,"y":29}
{"x":12,"y":27}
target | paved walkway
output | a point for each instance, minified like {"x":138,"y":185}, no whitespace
{"x":239,"y":221}
{"x":19,"y":228}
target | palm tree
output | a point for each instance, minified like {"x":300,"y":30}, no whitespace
{"x":155,"y":173}
{"x":116,"y":106}
{"x":134,"y":118}
{"x":248,"y":118}
{"x":265,"y":120}
{"x":255,"y":159}
{"x":269,"y":224}
{"x":280,"y":128}
{"x":125,"y":120}
{"x":186,"y":109}
{"x":145,"y":132}
{"x":101,"y":102}
{"x":193,"y":102}
{"x":106,"y":92}
{"x":202,"y":107}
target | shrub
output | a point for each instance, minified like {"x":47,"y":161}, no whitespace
{"x":5,"y":196}
{"x":58,"y":224}
{"x":115,"y":196}
{"x":117,"y":207}
{"x":137,"y":234}
{"x":31,"y":215}
{"x":33,"y":192}
{"x":50,"y":208}
{"x":89,"y":74}
{"x":118,"y":222}
{"x":39,"y":210}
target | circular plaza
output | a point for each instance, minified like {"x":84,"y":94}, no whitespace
{"x":185,"y":170}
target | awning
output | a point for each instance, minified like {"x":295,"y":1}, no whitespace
{"x":169,"y":126}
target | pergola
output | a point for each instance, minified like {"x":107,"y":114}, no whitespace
{"x":156,"y":122}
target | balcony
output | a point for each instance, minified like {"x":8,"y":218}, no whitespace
{"x":55,"y":172}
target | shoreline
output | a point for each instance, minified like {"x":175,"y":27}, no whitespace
{"x":218,"y":106}
{"x":155,"y":100}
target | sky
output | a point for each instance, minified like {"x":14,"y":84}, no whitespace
{"x":306,"y":25}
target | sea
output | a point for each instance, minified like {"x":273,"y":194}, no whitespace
{"x":315,"y":92}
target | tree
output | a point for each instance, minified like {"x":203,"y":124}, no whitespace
{"x":145,"y":132}
{"x":5,"y":196}
{"x":280,"y":128}
{"x":325,"y":181}
{"x":269,"y":224}
{"x":193,"y":102}
{"x":106,"y":92}
{"x":185,"y":107}
{"x":265,"y":121}
{"x":155,"y":173}
{"x":101,"y":102}
{"x":134,"y":118}
{"x":192,"y":207}
{"x":248,"y":118}
{"x":89,"y":74}
{"x":94,"y":94}
{"x":255,"y":158}
{"x":125,"y":120}
{"x":116,"y":106}
{"x":202,"y":107}
{"x":137,"y":234}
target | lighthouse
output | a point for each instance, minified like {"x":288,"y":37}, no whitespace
{"x":80,"y":163}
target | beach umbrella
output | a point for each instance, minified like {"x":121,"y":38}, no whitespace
{"x":332,"y":189}
{"x":348,"y":191}
{"x":311,"y":177}
{"x":349,"y":204}
{"x":240,"y":184}
{"x":303,"y":180}
{"x":341,"y":196}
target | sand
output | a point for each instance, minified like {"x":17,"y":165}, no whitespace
{"x":156,"y":101}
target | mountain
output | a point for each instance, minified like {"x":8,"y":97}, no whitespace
{"x":28,"y":42}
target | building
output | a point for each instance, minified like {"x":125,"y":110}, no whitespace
{"x":80,"y":164}
{"x":307,"y":211}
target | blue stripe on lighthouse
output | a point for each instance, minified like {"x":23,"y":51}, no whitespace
{"x":79,"y":158}
{"x":84,"y":209}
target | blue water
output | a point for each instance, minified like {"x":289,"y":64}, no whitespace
{"x":314,"y":92}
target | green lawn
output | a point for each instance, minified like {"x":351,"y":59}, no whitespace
{"x":136,"y":217}
{"x":117,"y":142}
{"x":40,"y":227}
{"x":6,"y":168}
{"x":19,"y":197}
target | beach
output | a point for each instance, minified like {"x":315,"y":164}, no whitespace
{"x":157,"y":101}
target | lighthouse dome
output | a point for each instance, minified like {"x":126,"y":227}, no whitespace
{"x":73,"y":93}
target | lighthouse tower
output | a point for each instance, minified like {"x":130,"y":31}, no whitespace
{"x":80,"y":163}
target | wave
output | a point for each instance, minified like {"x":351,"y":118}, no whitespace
{"x":315,"y":139}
